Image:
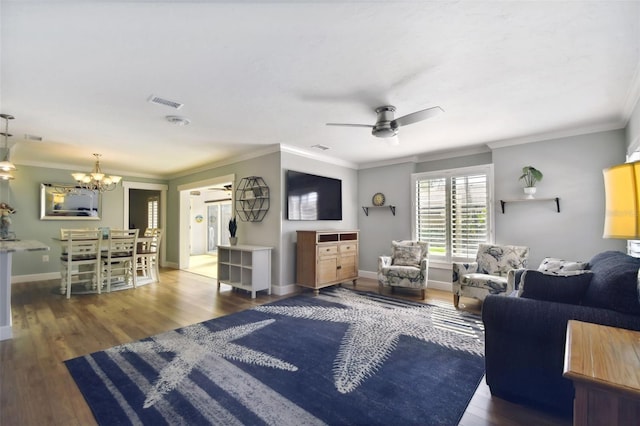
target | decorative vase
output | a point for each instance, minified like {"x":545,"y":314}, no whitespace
{"x":529,"y":192}
{"x":233,"y":240}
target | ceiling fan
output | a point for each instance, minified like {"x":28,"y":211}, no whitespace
{"x":226,"y":188}
{"x":387,"y":126}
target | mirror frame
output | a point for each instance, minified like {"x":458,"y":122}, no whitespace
{"x":48,"y":212}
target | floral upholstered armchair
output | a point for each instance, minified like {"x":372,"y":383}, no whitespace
{"x":488,"y":274}
{"x":408,"y":266}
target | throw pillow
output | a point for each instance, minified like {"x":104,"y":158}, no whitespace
{"x":615,"y":282}
{"x":555,"y":288}
{"x":552,"y":265}
{"x":405,"y":255}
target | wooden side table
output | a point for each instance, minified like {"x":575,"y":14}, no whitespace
{"x":604,"y":365}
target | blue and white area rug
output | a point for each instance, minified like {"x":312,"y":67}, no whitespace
{"x":340,"y":358}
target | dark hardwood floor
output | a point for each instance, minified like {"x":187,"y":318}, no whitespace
{"x":36,"y":389}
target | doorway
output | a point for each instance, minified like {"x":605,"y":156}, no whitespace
{"x":209,"y":223}
{"x":205,"y":210}
{"x":131,"y":208}
{"x":144,"y":209}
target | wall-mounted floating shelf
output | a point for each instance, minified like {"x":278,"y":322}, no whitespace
{"x":252,"y":199}
{"x":529,"y":200}
{"x":366,"y":209}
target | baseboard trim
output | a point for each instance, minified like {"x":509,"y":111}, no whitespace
{"x":436,"y":285}
{"x":283,"y":290}
{"x":5,"y":332}
{"x":15,"y":279}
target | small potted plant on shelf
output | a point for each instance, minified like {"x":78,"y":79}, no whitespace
{"x":530,"y":176}
{"x":233,"y":228}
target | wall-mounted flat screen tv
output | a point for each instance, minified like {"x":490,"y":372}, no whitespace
{"x":312,"y":197}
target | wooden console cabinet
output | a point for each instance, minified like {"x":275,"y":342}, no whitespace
{"x":325,"y":258}
{"x":604,"y":364}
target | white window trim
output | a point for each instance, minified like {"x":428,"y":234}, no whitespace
{"x":485,"y":168}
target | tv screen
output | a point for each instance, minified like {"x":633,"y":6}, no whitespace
{"x":311,"y":197}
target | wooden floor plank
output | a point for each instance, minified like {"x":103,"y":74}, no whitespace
{"x":37,"y":389}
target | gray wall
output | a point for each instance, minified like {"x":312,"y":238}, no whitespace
{"x":381,"y":227}
{"x":633,"y":130}
{"x":265,"y":233}
{"x":572,"y":169}
{"x":350,"y":207}
{"x":23,"y":194}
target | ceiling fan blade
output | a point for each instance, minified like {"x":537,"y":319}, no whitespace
{"x":414,"y":117}
{"x":350,"y":125}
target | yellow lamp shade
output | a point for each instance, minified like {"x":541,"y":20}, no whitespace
{"x":622,"y":195}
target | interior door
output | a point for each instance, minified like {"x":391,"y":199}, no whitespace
{"x":218,"y":215}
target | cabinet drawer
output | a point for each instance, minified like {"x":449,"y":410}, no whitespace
{"x":348,"y":248}
{"x":330,"y":250}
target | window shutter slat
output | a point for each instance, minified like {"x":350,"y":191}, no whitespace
{"x":452,"y":214}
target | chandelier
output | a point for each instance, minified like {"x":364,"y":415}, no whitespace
{"x":96,"y":180}
{"x":6,"y":166}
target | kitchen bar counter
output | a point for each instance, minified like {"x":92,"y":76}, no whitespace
{"x":7,"y":248}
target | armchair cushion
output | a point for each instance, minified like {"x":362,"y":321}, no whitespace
{"x":491,"y":283}
{"x":407,"y":267}
{"x":554,"y":288}
{"x":498,"y":260}
{"x":489,"y":273}
{"x":552,"y":265}
{"x":405,"y":255}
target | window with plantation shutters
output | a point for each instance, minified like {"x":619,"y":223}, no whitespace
{"x":152,"y":212}
{"x":452,"y":211}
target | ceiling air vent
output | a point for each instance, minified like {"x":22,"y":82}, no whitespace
{"x":166,"y":102}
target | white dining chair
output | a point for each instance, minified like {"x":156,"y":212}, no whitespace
{"x":119,"y":257}
{"x":80,"y":259}
{"x":147,"y":257}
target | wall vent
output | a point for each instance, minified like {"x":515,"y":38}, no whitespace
{"x":32,"y":137}
{"x":320,"y":147}
{"x":166,"y":102}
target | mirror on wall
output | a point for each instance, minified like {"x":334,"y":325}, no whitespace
{"x":68,"y":202}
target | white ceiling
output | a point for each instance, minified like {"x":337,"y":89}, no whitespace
{"x":253,"y":74}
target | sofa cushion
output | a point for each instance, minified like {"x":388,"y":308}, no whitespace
{"x":405,"y":255}
{"x":615,"y":282}
{"x":555,"y":266}
{"x":555,"y":288}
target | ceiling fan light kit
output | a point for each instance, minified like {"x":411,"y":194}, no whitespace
{"x":387,"y":126}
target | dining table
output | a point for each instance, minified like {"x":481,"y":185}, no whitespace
{"x":63,"y":243}
{"x":7,"y":248}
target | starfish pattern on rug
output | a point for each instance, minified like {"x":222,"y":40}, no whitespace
{"x":374,"y":330}
{"x":192,"y":345}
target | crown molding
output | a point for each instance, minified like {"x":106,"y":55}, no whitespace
{"x":76,"y":168}
{"x":228,"y":161}
{"x":585,"y":130}
{"x":315,"y":156}
{"x":633,"y":96}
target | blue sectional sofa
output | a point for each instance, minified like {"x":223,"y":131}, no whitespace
{"x":525,"y":334}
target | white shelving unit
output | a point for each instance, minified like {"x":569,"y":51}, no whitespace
{"x":246,"y":267}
